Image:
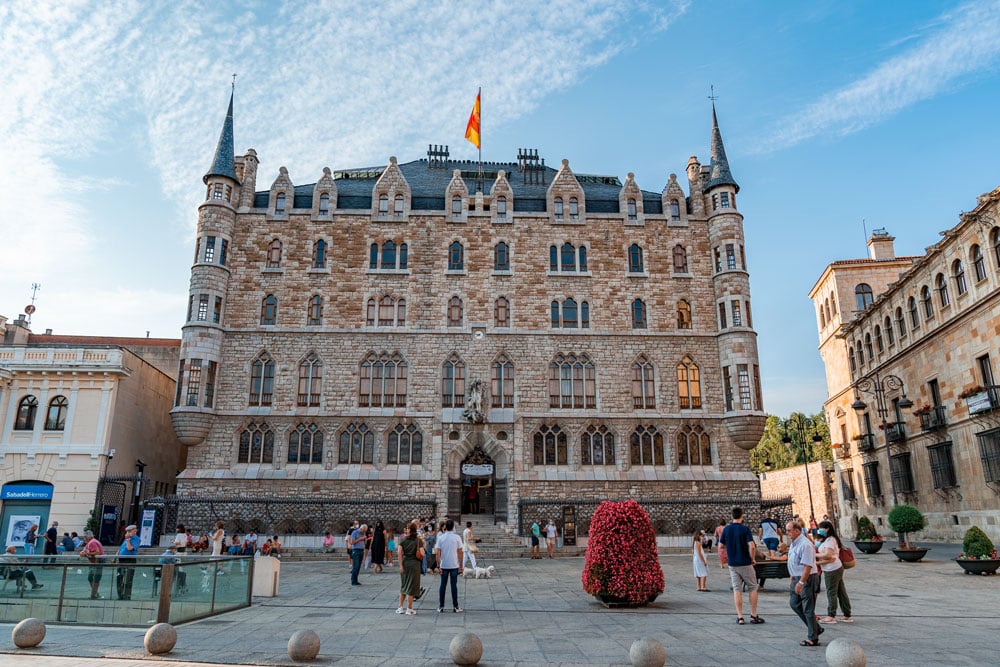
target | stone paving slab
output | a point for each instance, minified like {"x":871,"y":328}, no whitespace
{"x":535,"y":613}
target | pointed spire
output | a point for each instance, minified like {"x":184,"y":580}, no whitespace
{"x":222,"y":164}
{"x":719,"y":174}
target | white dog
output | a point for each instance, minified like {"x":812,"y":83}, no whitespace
{"x":479,"y":572}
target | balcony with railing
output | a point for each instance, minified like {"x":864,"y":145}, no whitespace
{"x":866,"y":442}
{"x":982,"y":399}
{"x":933,"y":420}
{"x":842,"y":450}
{"x":895,"y":432}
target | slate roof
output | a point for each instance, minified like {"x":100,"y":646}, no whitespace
{"x":428,"y":186}
{"x":223,"y":163}
{"x":719,"y":173}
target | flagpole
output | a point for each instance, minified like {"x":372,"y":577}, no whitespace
{"x":479,"y":96}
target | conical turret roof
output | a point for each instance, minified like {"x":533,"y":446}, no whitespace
{"x":719,"y":173}
{"x":222,"y":163}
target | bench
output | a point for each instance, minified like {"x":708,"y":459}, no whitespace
{"x":770,"y":569}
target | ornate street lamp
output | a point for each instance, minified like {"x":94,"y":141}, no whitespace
{"x":878,"y":385}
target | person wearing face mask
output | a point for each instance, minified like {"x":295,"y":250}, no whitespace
{"x":828,"y":558}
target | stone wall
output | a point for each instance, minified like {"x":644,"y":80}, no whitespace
{"x":791,"y":482}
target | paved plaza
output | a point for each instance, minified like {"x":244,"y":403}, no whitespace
{"x":536,"y":613}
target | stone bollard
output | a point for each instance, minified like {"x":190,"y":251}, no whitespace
{"x":29,"y":633}
{"x":160,"y":639}
{"x":647,"y":652}
{"x":466,"y":649}
{"x":304,"y":645}
{"x":845,"y":653}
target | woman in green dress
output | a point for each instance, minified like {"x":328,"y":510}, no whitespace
{"x":410,"y":553}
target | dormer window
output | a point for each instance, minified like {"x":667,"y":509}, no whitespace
{"x":456,"y":206}
{"x":279,"y":204}
{"x":501,"y":208}
{"x":324,"y":204}
{"x":675,"y":209}
{"x":574,"y":209}
{"x":558,"y":208}
{"x":398,"y":207}
{"x":383,"y":206}
{"x":632,"y":216}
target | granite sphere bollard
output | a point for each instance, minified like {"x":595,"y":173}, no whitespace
{"x":466,"y":649}
{"x":647,"y":652}
{"x":29,"y":633}
{"x":303,"y":645}
{"x":160,"y":639}
{"x":845,"y":653}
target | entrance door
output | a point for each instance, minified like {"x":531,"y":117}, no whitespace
{"x":478,"y":472}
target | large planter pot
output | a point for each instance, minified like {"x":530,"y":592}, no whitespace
{"x":910,"y":555}
{"x":982,"y":566}
{"x":615,"y":602}
{"x":869,"y":546}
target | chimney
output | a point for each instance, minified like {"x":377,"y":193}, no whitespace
{"x":17,"y":332}
{"x":48,"y":332}
{"x":880,"y":245}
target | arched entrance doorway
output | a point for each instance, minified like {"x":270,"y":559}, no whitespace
{"x":478,"y":472}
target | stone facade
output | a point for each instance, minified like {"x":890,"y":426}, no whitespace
{"x":915,"y":342}
{"x":116,"y":411}
{"x":438,"y":277}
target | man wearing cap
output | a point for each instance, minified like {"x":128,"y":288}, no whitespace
{"x":16,"y":571}
{"x":126,"y":554}
{"x":770,"y":533}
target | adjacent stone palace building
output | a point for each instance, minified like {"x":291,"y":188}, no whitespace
{"x":909,"y":345}
{"x":443,"y":337}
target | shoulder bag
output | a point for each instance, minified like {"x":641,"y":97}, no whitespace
{"x":847,"y":558}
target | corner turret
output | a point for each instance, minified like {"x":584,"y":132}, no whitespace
{"x":223,"y":164}
{"x":719,"y":173}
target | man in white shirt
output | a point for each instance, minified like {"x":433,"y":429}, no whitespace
{"x":801,"y":594}
{"x":449,"y":556}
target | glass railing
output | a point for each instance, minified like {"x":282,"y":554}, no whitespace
{"x":70,"y":589}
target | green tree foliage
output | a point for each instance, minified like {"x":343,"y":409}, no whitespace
{"x":906,"y":519}
{"x":977,"y":544}
{"x":866,"y":530}
{"x":800,"y":428}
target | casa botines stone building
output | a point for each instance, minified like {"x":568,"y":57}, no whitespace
{"x":909,"y":344}
{"x":442,"y":337}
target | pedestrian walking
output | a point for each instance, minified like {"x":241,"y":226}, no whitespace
{"x":216,"y":538}
{"x":741,"y":551}
{"x":378,"y":547}
{"x":536,"y":533}
{"x":93,"y":551}
{"x":410,"y":553}
{"x":448,"y":550}
{"x":718,"y":544}
{"x":551,"y":536}
{"x":801,"y":565}
{"x":30,"y":538}
{"x":51,"y":546}
{"x":828,"y":558}
{"x":469,"y":547}
{"x":699,"y":562}
{"x":356,"y":544}
{"x":127,"y":553}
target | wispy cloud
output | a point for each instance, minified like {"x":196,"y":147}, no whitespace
{"x":320,"y":83}
{"x":955,"y":47}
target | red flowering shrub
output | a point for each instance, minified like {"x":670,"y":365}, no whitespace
{"x":621,"y":554}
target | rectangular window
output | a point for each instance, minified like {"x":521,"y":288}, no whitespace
{"x":935,"y":391}
{"x":222,"y":252}
{"x":737,"y":315}
{"x":743,"y":377}
{"x":715,"y":201}
{"x":756,"y":386}
{"x":989,"y":453}
{"x":727,"y":386}
{"x":722,"y":316}
{"x":901,"y":472}
{"x":190,"y":307}
{"x":743,"y":258}
{"x":217,"y":311}
{"x":209,"y":249}
{"x":749,"y":316}
{"x":718,"y":260}
{"x":730,"y":256}
{"x":180,"y":383}
{"x":202,"y":307}
{"x":985,"y":370}
{"x":847,"y":485}
{"x":873,"y":486}
{"x":942,"y":466}
{"x":210,"y":384}
{"x":194,"y":382}
{"x":725,"y":200}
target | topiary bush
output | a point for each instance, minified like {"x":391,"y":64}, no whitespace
{"x":906,"y":519}
{"x":866,"y":530}
{"x":977,"y":544}
{"x":622,"y":560}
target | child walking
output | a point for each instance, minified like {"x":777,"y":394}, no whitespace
{"x":699,"y":562}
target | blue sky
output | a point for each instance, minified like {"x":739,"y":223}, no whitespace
{"x":832,"y":112}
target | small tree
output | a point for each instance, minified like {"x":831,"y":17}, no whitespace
{"x":977,"y":544}
{"x":906,"y":519}
{"x":622,"y":561}
{"x":866,"y":530}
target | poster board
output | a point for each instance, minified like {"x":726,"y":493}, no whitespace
{"x":18,"y":527}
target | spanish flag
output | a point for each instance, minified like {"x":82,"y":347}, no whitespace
{"x":472,"y":129}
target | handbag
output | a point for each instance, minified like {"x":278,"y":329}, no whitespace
{"x":847,"y":558}
{"x":473,"y":548}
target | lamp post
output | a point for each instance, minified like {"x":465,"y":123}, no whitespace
{"x":801,"y":429}
{"x":878,"y":385}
